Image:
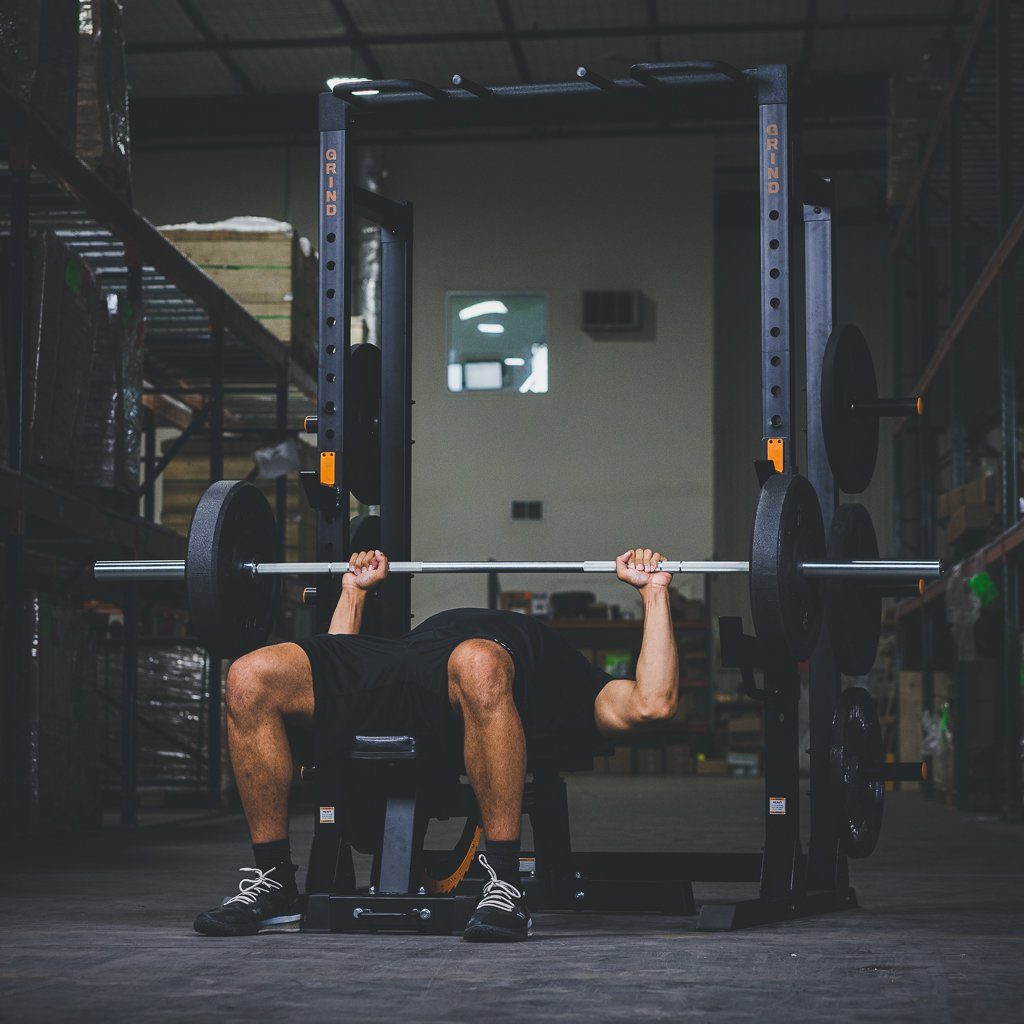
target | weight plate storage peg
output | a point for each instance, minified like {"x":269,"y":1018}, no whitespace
{"x":232,"y":611}
{"x":850,"y":408}
{"x":853,"y":608}
{"x":785,"y":602}
{"x":362,"y":423}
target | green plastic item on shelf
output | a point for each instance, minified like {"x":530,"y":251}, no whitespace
{"x":944,"y":720}
{"x":984,"y":586}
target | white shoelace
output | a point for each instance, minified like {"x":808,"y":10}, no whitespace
{"x":250,"y":889}
{"x":498,"y":894}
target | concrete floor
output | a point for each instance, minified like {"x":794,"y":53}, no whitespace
{"x":97,"y":927}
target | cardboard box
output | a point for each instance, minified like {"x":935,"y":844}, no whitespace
{"x":910,"y":708}
{"x":620,"y":763}
{"x":650,"y":761}
{"x":678,"y":759}
{"x":265,"y":265}
{"x":968,"y":518}
{"x":188,"y":475}
{"x":982,"y":491}
{"x":712,"y":766}
{"x":744,"y":723}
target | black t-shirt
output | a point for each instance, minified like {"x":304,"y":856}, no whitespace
{"x":555,"y":686}
{"x":366,"y":685}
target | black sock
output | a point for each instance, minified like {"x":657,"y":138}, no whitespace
{"x":278,"y":855}
{"x":503,"y":856}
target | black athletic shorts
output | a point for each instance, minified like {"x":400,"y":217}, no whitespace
{"x":373,"y":686}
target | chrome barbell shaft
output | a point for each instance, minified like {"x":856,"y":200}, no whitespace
{"x":424,"y":568}
{"x":174,"y":569}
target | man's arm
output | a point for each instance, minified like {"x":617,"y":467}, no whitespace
{"x":366,"y":570}
{"x":652,"y":697}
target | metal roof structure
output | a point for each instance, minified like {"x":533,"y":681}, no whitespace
{"x":195,"y":68}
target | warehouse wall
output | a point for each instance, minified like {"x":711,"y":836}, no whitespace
{"x":620,"y":449}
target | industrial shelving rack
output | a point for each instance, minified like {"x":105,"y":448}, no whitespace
{"x":196,"y":336}
{"x":957,"y":321}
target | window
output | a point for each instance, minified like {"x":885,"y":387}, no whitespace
{"x":497,"y":341}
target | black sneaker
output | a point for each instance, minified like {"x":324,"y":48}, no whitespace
{"x":262,"y":904}
{"x":501,"y":915}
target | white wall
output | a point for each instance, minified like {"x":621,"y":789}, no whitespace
{"x":620,"y":448}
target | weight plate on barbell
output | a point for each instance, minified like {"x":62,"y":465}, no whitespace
{"x":856,"y":746}
{"x":362,"y":423}
{"x":853,"y":608}
{"x":851,"y":436}
{"x":785,"y":604}
{"x":364,"y":533}
{"x":232,"y":612}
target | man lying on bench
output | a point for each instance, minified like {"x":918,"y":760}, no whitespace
{"x":482,"y":679}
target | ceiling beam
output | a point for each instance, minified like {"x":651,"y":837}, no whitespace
{"x":219,"y":46}
{"x":512,"y":38}
{"x":358,"y":40}
{"x":227,"y":121}
{"x":789,"y":25}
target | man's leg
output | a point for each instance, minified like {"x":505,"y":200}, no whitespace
{"x":480,"y":674}
{"x":263,"y":689}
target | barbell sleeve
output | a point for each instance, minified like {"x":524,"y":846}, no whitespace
{"x":174,"y":569}
{"x":169,"y":569}
{"x":890,"y":406}
{"x":875,"y":569}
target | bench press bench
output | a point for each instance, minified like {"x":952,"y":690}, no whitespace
{"x":379,"y":797}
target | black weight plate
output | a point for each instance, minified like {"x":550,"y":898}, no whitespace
{"x":851,"y":437}
{"x":786,"y":605}
{"x":232,"y":612}
{"x":364,"y":533}
{"x":362,"y":423}
{"x":853,"y":609}
{"x":858,"y":802}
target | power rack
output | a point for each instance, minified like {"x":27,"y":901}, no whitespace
{"x":792,"y":882}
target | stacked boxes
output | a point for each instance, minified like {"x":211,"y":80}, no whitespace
{"x":66,"y":306}
{"x":107,"y":451}
{"x":188,"y":475}
{"x":101,"y":129}
{"x":39,"y":57}
{"x":170,"y":704}
{"x":266,"y":266}
{"x":84,"y":379}
{"x":970,"y":509}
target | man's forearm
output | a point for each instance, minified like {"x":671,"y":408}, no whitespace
{"x":348,"y":615}
{"x":657,"y":668}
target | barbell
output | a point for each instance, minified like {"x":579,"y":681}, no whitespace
{"x":232,"y":568}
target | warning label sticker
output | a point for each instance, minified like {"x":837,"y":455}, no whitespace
{"x":776,"y":805}
{"x":327,"y":815}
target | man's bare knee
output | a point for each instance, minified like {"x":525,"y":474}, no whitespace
{"x":481,"y":675}
{"x":248,"y":688}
